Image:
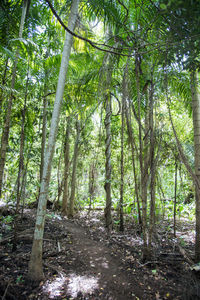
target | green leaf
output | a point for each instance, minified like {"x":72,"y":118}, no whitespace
{"x":163,"y":6}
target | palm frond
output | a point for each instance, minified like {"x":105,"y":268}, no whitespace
{"x":8,"y":89}
{"x":105,"y":10}
{"x":180,"y":85}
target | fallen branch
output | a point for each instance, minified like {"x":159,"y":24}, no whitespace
{"x":6,"y":290}
{"x":7,"y":294}
{"x":147,"y":263}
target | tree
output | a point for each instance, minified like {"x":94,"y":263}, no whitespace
{"x":107,"y":122}
{"x":35,"y":264}
{"x":6,"y":129}
{"x":196,"y":125}
{"x":74,"y":167}
{"x":183,"y":18}
{"x":66,"y":168}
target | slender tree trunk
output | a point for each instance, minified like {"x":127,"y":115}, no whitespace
{"x":91,"y":184}
{"x":152,"y":162}
{"x":21,"y":165}
{"x":143,"y":159}
{"x":196,"y":125}
{"x":121,"y":215}
{"x":6,"y":129}
{"x":23,"y":189}
{"x":66,"y":169}
{"x":132,"y":143}
{"x":131,"y":139}
{"x":152,"y":208}
{"x":162,"y":195}
{"x":35,"y":264}
{"x":124,"y":99}
{"x":175,"y":194}
{"x":108,"y":69}
{"x":107,"y":211}
{"x":56,"y":201}
{"x":3,"y":82}
{"x":44,"y":130}
{"x":74,"y":167}
{"x":23,"y":185}
{"x":21,"y":154}
{"x":144,"y":184}
{"x":44,"y":117}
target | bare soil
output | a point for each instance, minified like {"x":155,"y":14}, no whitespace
{"x":83,"y":261}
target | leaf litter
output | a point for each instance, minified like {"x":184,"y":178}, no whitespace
{"x":82,"y":261}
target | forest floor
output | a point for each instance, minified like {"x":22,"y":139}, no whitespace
{"x":81,"y":261}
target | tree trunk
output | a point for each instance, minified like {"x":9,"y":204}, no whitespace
{"x":108,"y":69}
{"x":196,"y":124}
{"x":66,"y":169}
{"x":21,"y":165}
{"x":152,"y":208}
{"x":73,"y":181}
{"x":175,"y":194}
{"x":21,"y":154}
{"x":121,"y":216}
{"x":143,"y":159}
{"x":132,"y":143}
{"x":6,"y":129}
{"x":35,"y":265}
{"x":23,"y":189}
{"x":107,"y":211}
{"x":131,"y":139}
{"x":152,"y":162}
{"x":124,"y":99}
{"x":3,"y":82}
{"x":56,"y":202}
{"x":44,"y":129}
{"x":91,"y":184}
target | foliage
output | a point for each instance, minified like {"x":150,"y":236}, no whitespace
{"x":159,"y":37}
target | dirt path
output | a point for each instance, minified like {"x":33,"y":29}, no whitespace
{"x":82,"y":262}
{"x":99,"y":263}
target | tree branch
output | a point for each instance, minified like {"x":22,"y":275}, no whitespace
{"x":92,"y":43}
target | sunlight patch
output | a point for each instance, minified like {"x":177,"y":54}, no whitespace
{"x":70,"y":285}
{"x":81,"y":284}
{"x":101,"y":261}
{"x":55,"y":288}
